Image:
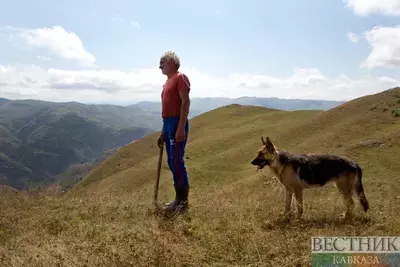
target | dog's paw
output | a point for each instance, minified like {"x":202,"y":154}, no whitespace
{"x":285,"y":217}
{"x":341,"y":216}
{"x":286,"y":214}
{"x":267,"y":225}
{"x":345,"y":217}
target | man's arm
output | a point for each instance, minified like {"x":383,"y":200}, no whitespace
{"x":184,"y":108}
{"x":183,"y":89}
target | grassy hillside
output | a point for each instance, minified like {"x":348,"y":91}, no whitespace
{"x":76,"y":172}
{"x":39,"y":139}
{"x":234,"y":220}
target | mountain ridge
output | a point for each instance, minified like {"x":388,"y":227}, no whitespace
{"x":41,"y":139}
{"x":204,"y":104}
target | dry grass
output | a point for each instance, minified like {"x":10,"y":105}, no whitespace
{"x":237,"y":225}
{"x":234,"y":214}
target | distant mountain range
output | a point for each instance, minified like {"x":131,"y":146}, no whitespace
{"x":39,"y":140}
{"x":201,"y":105}
{"x":43,"y":142}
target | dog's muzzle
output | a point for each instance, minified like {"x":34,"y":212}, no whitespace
{"x":260,"y":163}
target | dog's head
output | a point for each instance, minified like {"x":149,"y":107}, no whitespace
{"x":266,"y":154}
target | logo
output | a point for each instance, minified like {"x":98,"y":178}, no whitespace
{"x":355,"y":250}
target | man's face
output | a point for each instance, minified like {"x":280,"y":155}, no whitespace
{"x":166,"y":66}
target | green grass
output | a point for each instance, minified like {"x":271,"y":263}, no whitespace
{"x":107,"y":220}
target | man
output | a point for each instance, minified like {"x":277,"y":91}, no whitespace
{"x":175,"y":104}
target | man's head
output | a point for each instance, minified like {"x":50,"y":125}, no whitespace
{"x":169,"y":63}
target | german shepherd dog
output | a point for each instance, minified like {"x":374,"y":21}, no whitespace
{"x":302,"y":171}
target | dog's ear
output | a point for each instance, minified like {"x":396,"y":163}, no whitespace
{"x":270,"y":146}
{"x":262,"y":140}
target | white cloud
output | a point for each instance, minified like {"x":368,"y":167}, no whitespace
{"x":21,"y":77}
{"x":354,"y":38}
{"x":367,"y":7}
{"x":66,"y":45}
{"x":306,"y":77}
{"x":388,"y":80}
{"x":385,"y":44}
{"x":119,"y":87}
{"x":43,"y":58}
{"x":4,"y":69}
{"x":104,"y":80}
{"x":136,"y":24}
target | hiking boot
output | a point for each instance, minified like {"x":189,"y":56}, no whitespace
{"x":184,"y":202}
{"x":180,"y":203}
{"x":170,"y":206}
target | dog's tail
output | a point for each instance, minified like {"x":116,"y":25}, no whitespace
{"x":360,"y":189}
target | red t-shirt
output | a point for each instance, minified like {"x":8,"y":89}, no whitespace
{"x":170,"y":99}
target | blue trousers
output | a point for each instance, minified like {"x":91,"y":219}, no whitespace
{"x":176,"y":151}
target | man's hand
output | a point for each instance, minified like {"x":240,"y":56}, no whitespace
{"x":160,"y":141}
{"x":180,"y":134}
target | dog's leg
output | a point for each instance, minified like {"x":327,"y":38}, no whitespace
{"x":349,"y":207}
{"x":288,"y":202}
{"x":349,"y":196}
{"x":298,"y":193}
{"x":345,"y":187}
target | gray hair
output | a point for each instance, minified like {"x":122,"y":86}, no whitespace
{"x":171,"y":55}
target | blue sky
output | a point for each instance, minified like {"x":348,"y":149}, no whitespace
{"x":288,"y":49}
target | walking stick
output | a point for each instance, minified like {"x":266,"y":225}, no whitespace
{"x":160,"y":156}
